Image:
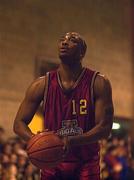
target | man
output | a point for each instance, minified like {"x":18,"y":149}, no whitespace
{"x":77,"y":106}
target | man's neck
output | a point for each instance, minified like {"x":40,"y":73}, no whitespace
{"x":69,"y":73}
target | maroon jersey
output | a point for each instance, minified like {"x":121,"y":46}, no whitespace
{"x":71,"y":112}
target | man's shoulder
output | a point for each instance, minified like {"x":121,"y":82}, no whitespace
{"x":101,"y":78}
{"x":102,"y":84}
{"x":37,"y":86}
{"x":91,"y":70}
{"x":38,"y":81}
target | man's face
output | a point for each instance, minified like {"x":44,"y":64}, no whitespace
{"x":70,"y":48}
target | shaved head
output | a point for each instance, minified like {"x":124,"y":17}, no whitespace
{"x":80,"y":39}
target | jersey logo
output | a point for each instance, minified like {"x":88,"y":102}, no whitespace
{"x":70,"y":128}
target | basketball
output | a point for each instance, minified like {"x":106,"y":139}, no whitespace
{"x":45,"y":150}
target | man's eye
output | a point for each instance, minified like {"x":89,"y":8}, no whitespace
{"x":74,"y":40}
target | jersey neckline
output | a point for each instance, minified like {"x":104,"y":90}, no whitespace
{"x":75,"y":83}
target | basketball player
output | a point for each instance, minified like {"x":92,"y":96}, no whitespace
{"x":77,"y":106}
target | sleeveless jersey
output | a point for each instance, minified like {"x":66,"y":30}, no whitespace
{"x":71,"y":112}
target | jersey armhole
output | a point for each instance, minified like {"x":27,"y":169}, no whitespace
{"x":92,"y":87}
{"x":46,"y":90}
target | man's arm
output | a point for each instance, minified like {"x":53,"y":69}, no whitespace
{"x":103,"y":114}
{"x":28,"y":107}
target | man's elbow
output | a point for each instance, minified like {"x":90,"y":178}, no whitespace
{"x":15,"y":128}
{"x":107,"y":132}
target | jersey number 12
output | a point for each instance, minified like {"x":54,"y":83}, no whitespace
{"x":82,"y":106}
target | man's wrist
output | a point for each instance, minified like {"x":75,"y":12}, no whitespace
{"x":75,"y":140}
{"x":70,"y":140}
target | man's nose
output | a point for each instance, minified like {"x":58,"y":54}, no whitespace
{"x":65,"y":42}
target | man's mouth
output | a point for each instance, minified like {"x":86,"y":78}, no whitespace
{"x":63,"y":49}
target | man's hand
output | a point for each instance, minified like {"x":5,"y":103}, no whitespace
{"x":45,"y":131}
{"x":66,"y":146}
{"x":39,"y":132}
{"x":65,"y":140}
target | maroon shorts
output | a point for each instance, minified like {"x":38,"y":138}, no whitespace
{"x":73,"y":171}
